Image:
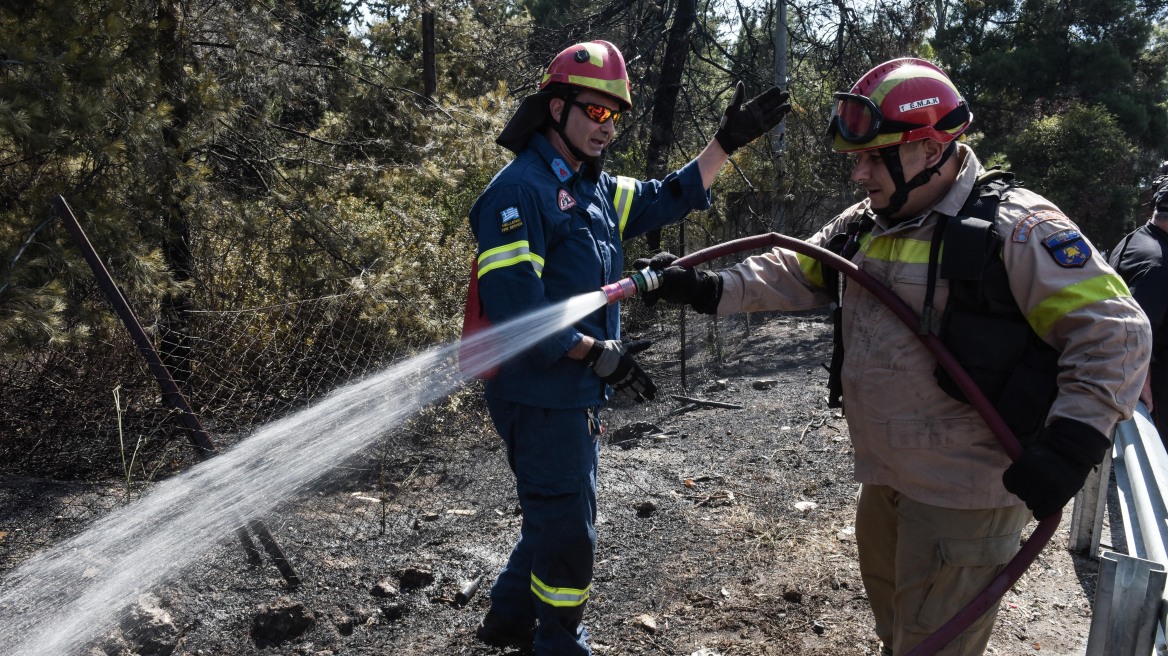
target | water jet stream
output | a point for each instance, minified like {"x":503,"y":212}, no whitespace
{"x":69,"y":594}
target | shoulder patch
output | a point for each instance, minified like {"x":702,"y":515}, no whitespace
{"x":565,"y":200}
{"x":560,"y":169}
{"x":1068,"y":248}
{"x":510,"y":220}
{"x":1022,"y":228}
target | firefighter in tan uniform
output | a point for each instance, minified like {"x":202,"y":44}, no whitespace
{"x":941,"y":508}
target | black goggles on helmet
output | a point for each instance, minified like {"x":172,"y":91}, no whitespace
{"x":858,"y":120}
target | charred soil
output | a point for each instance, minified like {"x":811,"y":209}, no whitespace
{"x":722,"y":531}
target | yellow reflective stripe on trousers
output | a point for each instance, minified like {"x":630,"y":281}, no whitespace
{"x":1072,"y":297}
{"x":563,"y":597}
{"x":508,"y":254}
{"x":622,"y":200}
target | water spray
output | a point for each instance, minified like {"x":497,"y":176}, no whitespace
{"x":645,"y":280}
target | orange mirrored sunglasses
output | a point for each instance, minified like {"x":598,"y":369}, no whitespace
{"x":598,"y":113}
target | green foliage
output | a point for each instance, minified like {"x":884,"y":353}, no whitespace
{"x":1084,"y":126}
{"x":271,"y":143}
{"x":1002,"y":55}
{"x":74,"y":121}
{"x":1082,"y":161}
{"x":476,"y":44}
{"x":293,"y":159}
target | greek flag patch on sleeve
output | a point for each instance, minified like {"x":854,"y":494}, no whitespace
{"x":510,"y":220}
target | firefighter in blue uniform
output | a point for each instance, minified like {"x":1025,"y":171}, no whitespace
{"x":549,"y":227}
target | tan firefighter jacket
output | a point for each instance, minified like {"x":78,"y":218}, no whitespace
{"x":907,"y":432}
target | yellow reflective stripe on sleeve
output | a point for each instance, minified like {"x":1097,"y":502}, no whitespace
{"x":623,"y":200}
{"x":562,"y":597}
{"x":507,"y":255}
{"x":812,"y":269}
{"x":908,"y":251}
{"x":1072,"y":297}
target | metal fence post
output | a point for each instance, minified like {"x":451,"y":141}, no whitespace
{"x":196,"y":435}
{"x":1129,"y":611}
{"x":1127,"y":606}
{"x":1087,"y":515}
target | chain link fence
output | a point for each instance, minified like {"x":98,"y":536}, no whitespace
{"x":93,"y":418}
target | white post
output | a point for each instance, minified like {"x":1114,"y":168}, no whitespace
{"x":1126,"y":610}
{"x":1087,"y":515}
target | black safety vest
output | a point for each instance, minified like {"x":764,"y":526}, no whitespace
{"x":981,"y":325}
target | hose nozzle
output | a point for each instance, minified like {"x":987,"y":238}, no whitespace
{"x":645,"y":280}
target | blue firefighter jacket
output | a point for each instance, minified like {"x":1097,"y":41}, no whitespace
{"x":546,"y":234}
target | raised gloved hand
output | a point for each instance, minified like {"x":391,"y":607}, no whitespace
{"x":1053,"y":469}
{"x":743,"y":123}
{"x":682,"y":285}
{"x":613,"y":361}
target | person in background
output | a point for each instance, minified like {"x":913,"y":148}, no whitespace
{"x":1140,"y":259}
{"x":550,"y":226}
{"x":1049,"y":329}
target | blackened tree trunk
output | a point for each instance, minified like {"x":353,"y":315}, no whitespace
{"x":174,"y":333}
{"x":661,"y":137}
{"x":429,"y":62}
{"x":665,"y":100}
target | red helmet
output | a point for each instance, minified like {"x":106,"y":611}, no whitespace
{"x":899,"y":101}
{"x":595,"y":65}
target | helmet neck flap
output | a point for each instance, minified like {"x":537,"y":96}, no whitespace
{"x":891,"y":157}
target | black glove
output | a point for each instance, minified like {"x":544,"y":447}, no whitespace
{"x":1053,"y":469}
{"x":701,"y":289}
{"x":743,"y":123}
{"x":658,"y":263}
{"x":613,"y":361}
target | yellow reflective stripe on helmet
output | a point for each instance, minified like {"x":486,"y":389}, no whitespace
{"x":507,"y":255}
{"x":617,"y":88}
{"x":562,"y":597}
{"x":908,"y":251}
{"x":1072,"y":297}
{"x":622,"y":200}
{"x":596,"y":53}
{"x":907,"y":74}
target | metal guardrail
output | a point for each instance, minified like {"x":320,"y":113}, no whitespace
{"x":1130,"y":610}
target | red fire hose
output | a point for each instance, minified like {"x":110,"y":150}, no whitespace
{"x":1046,"y":528}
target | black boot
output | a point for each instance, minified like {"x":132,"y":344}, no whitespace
{"x":497,"y":631}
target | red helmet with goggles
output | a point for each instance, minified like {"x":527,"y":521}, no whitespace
{"x":595,"y":65}
{"x":897,"y":102}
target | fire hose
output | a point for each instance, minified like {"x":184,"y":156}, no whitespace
{"x":648,"y":280}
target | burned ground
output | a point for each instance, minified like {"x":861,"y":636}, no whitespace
{"x":721,"y":531}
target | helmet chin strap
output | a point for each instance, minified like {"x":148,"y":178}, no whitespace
{"x":891,"y":157}
{"x":592,"y":165}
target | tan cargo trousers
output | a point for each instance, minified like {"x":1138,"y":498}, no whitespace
{"x":921,"y":564}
